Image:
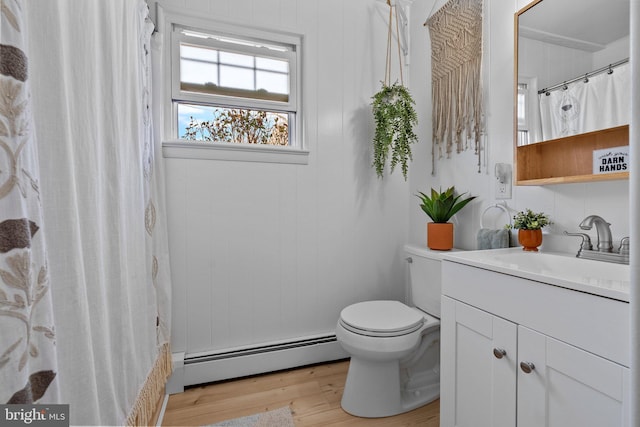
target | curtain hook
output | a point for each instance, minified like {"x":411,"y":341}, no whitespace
{"x":586,"y":78}
{"x":610,"y":70}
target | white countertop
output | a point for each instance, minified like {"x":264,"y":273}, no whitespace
{"x":595,"y":277}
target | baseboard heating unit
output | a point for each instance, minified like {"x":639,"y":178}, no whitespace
{"x":238,"y":362}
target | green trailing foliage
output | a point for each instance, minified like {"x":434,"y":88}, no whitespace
{"x":395,"y":117}
{"x":440,"y":206}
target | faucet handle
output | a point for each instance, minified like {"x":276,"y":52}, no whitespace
{"x":624,"y":246}
{"x":586,"y":240}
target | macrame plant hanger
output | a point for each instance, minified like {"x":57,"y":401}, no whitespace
{"x":393,"y":111}
{"x":387,"y":71}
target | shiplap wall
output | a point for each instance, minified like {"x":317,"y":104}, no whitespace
{"x":263,"y":252}
{"x":567,"y":204}
{"x":553,"y":64}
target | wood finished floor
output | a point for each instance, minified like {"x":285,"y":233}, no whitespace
{"x":313,"y":393}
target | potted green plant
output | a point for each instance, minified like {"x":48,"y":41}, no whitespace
{"x":440,"y":206}
{"x":395,"y":118}
{"x":529,"y":225}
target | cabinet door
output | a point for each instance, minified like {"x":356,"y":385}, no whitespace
{"x":568,"y":386}
{"x":478,"y":376}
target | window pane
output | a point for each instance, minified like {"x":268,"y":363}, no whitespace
{"x":210,"y":70}
{"x":272,"y":65}
{"x":523,"y":137}
{"x":232,"y":125}
{"x":522,"y":108}
{"x":272,"y":82}
{"x":201,"y":53}
{"x":236,"y":59}
{"x":192,"y":113}
{"x":198,"y":72}
{"x":237,"y":78}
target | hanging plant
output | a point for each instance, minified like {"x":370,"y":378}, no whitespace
{"x":395,"y":118}
{"x":394,"y":114}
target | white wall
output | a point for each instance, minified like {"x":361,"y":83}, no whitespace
{"x":614,"y":51}
{"x":553,"y":64}
{"x":550,"y":63}
{"x":264,"y":252}
{"x":567,"y":204}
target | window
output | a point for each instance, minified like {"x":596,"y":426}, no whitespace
{"x":234,"y":88}
{"x":528,"y":112}
{"x":523,"y":114}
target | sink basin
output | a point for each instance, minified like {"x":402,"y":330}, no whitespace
{"x":601,"y":278}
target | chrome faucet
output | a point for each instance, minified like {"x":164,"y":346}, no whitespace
{"x":604,"y":247}
{"x":586,"y":242}
{"x":602,"y":229}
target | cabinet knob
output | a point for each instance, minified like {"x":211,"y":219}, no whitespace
{"x":527,"y":367}
{"x":499,"y":353}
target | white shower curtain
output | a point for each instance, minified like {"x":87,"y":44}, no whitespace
{"x":600,"y":103}
{"x":103,"y":205}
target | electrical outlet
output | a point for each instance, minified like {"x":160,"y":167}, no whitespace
{"x":503,"y":180}
{"x":503,"y":190}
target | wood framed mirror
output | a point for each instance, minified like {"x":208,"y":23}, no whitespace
{"x":571,"y":91}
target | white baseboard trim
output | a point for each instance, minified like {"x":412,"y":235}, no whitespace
{"x":162,"y":410}
{"x":215,"y":366}
{"x":175,"y":383}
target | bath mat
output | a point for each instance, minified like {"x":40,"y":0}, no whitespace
{"x":277,"y":418}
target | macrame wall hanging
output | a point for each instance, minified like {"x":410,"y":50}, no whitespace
{"x":456,"y":64}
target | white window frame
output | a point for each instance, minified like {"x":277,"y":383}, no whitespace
{"x":171,"y":23}
{"x":532,"y":111}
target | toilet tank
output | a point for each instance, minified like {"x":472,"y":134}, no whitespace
{"x":425,"y":282}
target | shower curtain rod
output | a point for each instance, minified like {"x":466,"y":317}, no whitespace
{"x":609,"y":69}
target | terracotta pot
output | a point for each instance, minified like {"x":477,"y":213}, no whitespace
{"x":440,"y":236}
{"x":530,"y":239}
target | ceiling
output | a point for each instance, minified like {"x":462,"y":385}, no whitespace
{"x":583,"y":24}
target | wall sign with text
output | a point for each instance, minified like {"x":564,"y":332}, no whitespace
{"x":610,"y":160}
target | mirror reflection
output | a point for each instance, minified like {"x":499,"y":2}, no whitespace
{"x":572,"y":66}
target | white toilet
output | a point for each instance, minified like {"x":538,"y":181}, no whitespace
{"x":394,"y":348}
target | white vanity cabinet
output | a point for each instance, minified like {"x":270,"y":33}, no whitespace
{"x":476,"y":387}
{"x":573,"y":348}
{"x":568,"y":386}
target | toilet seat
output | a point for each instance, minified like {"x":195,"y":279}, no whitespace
{"x":381,"y":319}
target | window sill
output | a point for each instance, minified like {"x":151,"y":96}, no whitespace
{"x":234,"y":152}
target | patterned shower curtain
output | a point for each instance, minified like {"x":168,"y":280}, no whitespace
{"x":603,"y":101}
{"x":28,"y":365}
{"x":93,"y":179}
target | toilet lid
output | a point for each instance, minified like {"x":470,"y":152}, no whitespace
{"x":387,"y":317}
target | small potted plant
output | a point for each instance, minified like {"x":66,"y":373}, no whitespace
{"x":529,"y":226}
{"x":440,"y":206}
